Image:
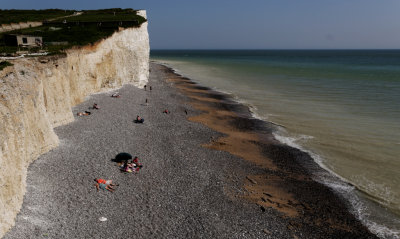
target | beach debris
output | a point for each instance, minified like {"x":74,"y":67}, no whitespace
{"x":266,"y":231}
{"x":263,"y":208}
{"x":116,"y":95}
{"x":102,"y":219}
{"x":251,"y":180}
{"x":269,"y":195}
{"x":263,"y":199}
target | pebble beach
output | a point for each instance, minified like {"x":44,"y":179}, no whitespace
{"x":210,"y":170}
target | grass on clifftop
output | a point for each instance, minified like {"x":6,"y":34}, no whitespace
{"x":79,"y":30}
{"x":105,"y":15}
{"x":16,"y":16}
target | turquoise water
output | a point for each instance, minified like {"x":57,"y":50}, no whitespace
{"x":343,"y":107}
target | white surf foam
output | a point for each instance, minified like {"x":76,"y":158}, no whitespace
{"x":340,"y":186}
{"x":330,"y":178}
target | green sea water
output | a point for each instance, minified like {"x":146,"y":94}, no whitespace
{"x":340,"y":106}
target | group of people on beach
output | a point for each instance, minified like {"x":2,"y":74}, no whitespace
{"x":131,"y":167}
{"x":145,"y":88}
{"x":125,"y":166}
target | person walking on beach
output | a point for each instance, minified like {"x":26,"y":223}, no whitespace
{"x":145,"y":87}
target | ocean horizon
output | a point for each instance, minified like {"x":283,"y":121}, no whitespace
{"x":340,"y":106}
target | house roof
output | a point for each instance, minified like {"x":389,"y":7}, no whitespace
{"x":22,"y":35}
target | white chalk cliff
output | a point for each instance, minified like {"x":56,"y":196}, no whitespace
{"x":36,"y":97}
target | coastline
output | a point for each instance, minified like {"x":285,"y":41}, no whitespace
{"x":190,"y":185}
{"x":287,"y":184}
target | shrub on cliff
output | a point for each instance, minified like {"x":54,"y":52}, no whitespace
{"x":4,"y":64}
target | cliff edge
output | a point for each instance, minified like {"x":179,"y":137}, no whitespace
{"x":36,"y":95}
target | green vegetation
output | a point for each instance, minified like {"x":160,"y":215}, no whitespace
{"x":4,"y":64}
{"x":79,"y":30}
{"x":7,"y":49}
{"x":105,"y":15}
{"x":16,"y":16}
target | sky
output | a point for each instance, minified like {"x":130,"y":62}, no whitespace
{"x":255,"y":24}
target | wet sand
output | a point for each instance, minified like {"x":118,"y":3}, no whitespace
{"x":214,"y":172}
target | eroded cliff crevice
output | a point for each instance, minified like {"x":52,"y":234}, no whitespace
{"x":36,"y":97}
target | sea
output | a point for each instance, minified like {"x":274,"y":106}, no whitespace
{"x":340,"y":106}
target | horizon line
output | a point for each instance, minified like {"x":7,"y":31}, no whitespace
{"x":276,"y":49}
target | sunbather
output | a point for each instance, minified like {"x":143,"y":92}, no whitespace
{"x":127,"y":167}
{"x":115,"y":95}
{"x":83,"y":113}
{"x":136,"y":166}
{"x":139,"y":119}
{"x":104,"y":187}
{"x":106,"y":182}
{"x":95,"y":106}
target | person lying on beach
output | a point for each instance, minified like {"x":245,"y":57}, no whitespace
{"x":115,"y":95}
{"x":135,"y":160}
{"x":127,"y":167}
{"x":95,"y":106}
{"x":136,"y":166}
{"x":83,"y":113}
{"x":136,"y":163}
{"x":139,"y":119}
{"x":106,"y":182}
{"x":104,"y":187}
{"x":166,"y":111}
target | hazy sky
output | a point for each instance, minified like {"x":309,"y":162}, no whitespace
{"x":255,"y":24}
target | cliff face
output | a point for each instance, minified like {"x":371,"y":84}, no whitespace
{"x":36,"y":97}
